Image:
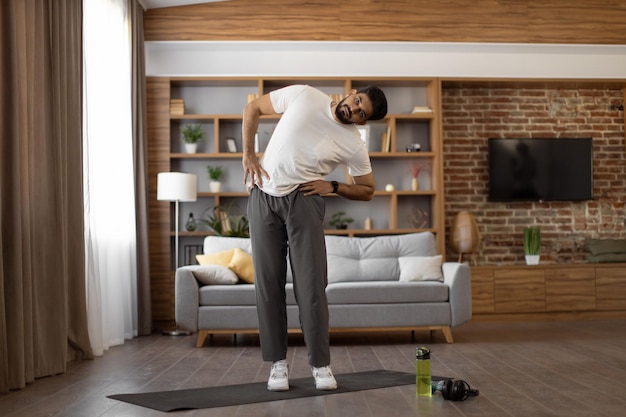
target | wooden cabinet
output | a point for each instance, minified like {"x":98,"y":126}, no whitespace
{"x":483,"y":298}
{"x":519,"y":291}
{"x":549,"y":291}
{"x":611,"y":288}
{"x":216,"y":103}
{"x":571,"y":289}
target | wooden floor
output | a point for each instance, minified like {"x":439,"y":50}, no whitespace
{"x":573,"y":369}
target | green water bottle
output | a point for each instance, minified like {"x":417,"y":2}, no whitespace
{"x":422,"y":372}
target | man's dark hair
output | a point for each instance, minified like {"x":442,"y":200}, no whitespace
{"x":379,"y":101}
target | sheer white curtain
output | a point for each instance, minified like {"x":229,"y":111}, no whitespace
{"x":110,"y":240}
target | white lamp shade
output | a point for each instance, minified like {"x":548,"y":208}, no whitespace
{"x":176,"y":186}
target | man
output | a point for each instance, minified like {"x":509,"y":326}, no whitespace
{"x":286,"y":210}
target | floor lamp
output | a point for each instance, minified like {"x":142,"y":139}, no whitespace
{"x":176,"y":187}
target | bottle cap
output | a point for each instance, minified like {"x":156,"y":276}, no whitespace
{"x":422,"y":353}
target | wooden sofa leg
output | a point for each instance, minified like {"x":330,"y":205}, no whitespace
{"x":202,"y":335}
{"x":447,"y":333}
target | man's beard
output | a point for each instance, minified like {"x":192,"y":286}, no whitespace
{"x":340,"y":114}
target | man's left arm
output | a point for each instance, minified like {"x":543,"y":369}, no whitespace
{"x":362,"y":188}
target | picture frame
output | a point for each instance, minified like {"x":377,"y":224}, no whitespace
{"x":364,"y":131}
{"x":232,"y":145}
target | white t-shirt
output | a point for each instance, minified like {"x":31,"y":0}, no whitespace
{"x":308,"y":143}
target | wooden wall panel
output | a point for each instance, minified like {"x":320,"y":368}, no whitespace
{"x":420,"y":21}
{"x":159,"y":236}
{"x":589,"y":21}
{"x":529,"y":21}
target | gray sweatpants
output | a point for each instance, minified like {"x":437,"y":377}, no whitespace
{"x":294,"y":225}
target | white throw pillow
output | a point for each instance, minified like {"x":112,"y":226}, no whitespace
{"x":214,"y":275}
{"x":420,"y":268}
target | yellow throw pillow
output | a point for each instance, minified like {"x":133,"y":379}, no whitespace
{"x":237,"y":260}
{"x":219,"y":258}
{"x":241,"y":264}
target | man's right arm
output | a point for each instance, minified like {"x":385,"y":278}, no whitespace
{"x":251,"y":115}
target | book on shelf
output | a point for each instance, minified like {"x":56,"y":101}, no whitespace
{"x":421,"y":109}
{"x":386,"y":140}
{"x":177,"y":106}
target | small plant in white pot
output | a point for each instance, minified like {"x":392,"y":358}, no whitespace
{"x":215,"y":173}
{"x":191,"y":135}
{"x":532,"y":245}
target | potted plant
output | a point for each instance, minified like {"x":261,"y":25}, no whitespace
{"x":532,"y":245}
{"x":215,"y":173}
{"x":191,"y":135}
{"x":223,"y":224}
{"x":339,"y":220}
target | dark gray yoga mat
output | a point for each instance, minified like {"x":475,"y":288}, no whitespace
{"x":229,"y":395}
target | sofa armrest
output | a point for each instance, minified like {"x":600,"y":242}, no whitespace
{"x":186,"y":299}
{"x":457,"y":277}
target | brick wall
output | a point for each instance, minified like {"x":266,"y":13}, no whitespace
{"x":473,"y":114}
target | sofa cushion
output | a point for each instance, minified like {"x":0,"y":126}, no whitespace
{"x":236,"y":295}
{"x":213,"y":244}
{"x":375,"y":292}
{"x":218,"y":258}
{"x":384,"y":292}
{"x":214,"y":275}
{"x":374,"y":258}
{"x":236,"y":259}
{"x":607,"y":258}
{"x":224,"y":295}
{"x":604,"y":246}
{"x":389,"y":315}
{"x":350,"y":258}
{"x":241,"y":264}
{"x":420,"y":268}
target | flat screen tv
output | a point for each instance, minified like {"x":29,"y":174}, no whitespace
{"x":541,"y":169}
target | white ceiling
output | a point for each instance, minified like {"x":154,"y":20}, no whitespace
{"x":155,"y":4}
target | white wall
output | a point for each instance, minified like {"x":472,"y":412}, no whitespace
{"x":450,"y":60}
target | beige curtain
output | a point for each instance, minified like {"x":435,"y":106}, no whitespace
{"x":140,"y":151}
{"x":42,"y":278}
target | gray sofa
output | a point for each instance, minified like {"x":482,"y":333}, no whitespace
{"x":367,"y":289}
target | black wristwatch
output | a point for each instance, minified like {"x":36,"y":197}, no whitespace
{"x":335,"y":186}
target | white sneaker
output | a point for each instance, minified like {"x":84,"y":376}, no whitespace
{"x":279,"y":376}
{"x":324,"y":379}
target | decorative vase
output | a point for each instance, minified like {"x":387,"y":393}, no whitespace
{"x":215,"y":186}
{"x":191,"y":147}
{"x":464,"y":234}
{"x":532,"y":259}
{"x":415,"y":185}
{"x":191,"y":223}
